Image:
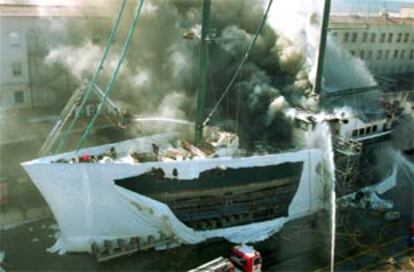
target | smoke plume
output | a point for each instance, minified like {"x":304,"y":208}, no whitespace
{"x":161,"y":70}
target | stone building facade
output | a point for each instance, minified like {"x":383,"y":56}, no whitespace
{"x":384,"y":42}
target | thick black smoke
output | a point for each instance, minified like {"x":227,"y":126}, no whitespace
{"x":160,"y":74}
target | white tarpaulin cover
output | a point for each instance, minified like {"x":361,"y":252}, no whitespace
{"x":89,"y":207}
{"x":373,"y":191}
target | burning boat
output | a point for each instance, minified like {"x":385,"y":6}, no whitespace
{"x":164,"y":186}
{"x":138,"y":189}
{"x":179,"y":187}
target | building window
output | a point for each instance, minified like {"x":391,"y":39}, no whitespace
{"x":399,"y":37}
{"x":369,"y":55}
{"x":352,"y":52}
{"x":335,"y":35}
{"x":374,"y":128}
{"x":402,"y":55}
{"x":383,"y":37}
{"x":354,"y":37}
{"x":390,"y":36}
{"x":412,"y":54}
{"x":395,"y":54}
{"x":387,"y":54}
{"x":365,"y":37}
{"x":362,"y":54}
{"x":17,"y":68}
{"x":368,"y":130}
{"x":14,"y":39}
{"x":379,"y":54}
{"x":346,"y":37}
{"x":18,"y":97}
{"x":372,"y":38}
{"x":361,"y":131}
{"x":354,"y":133}
{"x":406,"y":37}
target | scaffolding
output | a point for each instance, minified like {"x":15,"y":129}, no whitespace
{"x":347,"y":154}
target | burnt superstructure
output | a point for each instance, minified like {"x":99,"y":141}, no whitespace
{"x":223,"y":197}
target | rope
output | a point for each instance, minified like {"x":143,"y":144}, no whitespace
{"x":95,"y":76}
{"x":242,"y":63}
{"x":114,"y":75}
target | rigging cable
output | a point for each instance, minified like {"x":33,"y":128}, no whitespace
{"x":95,"y":76}
{"x":242,"y":63}
{"x":114,"y":74}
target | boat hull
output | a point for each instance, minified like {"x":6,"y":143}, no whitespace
{"x":90,"y":207}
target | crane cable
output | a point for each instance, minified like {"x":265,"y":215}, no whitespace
{"x":95,"y":75}
{"x":242,"y":63}
{"x":109,"y":88}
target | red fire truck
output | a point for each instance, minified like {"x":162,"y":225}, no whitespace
{"x":242,"y":258}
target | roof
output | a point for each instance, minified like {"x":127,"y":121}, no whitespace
{"x":30,"y":10}
{"x":370,"y":20}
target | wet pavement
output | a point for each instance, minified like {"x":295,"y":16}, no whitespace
{"x":302,"y":246}
{"x":364,"y":241}
{"x":26,"y":250}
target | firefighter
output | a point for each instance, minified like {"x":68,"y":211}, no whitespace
{"x":125,"y":119}
{"x":112,"y":153}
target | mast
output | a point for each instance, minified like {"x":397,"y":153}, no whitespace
{"x":202,"y":73}
{"x":322,"y":47}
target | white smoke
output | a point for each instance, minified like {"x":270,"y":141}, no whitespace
{"x":259,"y":91}
{"x":299,"y":24}
{"x":405,"y":166}
{"x":171,"y":106}
{"x":80,"y":61}
{"x":278,"y":105}
{"x":402,"y":135}
{"x":298,"y":21}
{"x":149,"y":8}
{"x":277,"y":77}
{"x":291,"y":56}
{"x":178,"y":61}
{"x":344,"y":71}
{"x":237,"y":40}
{"x":405,"y":186}
{"x":141,"y":78}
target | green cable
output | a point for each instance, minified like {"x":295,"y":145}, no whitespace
{"x":95,"y":76}
{"x":239,"y":68}
{"x":114,"y":75}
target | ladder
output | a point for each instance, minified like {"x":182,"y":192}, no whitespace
{"x":77,"y":102}
{"x":70,"y":111}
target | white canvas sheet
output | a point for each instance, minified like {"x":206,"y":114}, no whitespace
{"x":89,"y":207}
